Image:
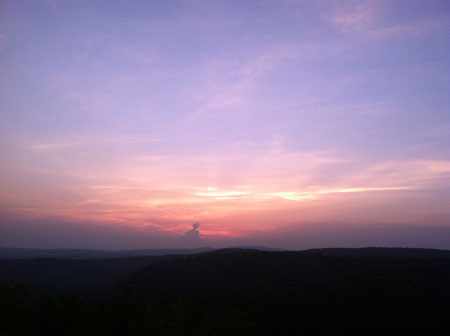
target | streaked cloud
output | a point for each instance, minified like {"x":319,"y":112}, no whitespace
{"x":87,"y":141}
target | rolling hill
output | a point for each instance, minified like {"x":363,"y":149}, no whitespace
{"x":229,"y":292}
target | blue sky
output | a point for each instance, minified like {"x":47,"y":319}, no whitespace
{"x":254,"y":118}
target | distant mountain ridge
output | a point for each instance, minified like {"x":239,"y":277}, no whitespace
{"x":388,"y":252}
{"x":84,"y":254}
{"x":80,"y":254}
{"x":25,"y":253}
{"x":96,"y":273}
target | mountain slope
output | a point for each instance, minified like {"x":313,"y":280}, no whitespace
{"x":270,"y":289}
{"x":85,"y":278}
{"x":24,"y":253}
{"x":231,"y":292}
{"x":388,"y":252}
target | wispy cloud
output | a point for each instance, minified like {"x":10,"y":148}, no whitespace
{"x":370,"y":19}
{"x":356,"y":16}
{"x":78,"y":142}
{"x":2,"y":41}
{"x":225,"y":84}
{"x":439,"y":131}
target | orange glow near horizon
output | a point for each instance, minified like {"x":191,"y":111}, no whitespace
{"x":142,"y":203}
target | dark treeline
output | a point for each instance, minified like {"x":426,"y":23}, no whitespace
{"x":241,"y":292}
{"x":84,"y":278}
{"x":25,"y":253}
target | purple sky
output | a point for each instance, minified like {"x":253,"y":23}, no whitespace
{"x":287,"y":123}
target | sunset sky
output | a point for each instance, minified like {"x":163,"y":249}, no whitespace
{"x":291,"y":124}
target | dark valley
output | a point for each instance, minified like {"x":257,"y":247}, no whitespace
{"x":228,"y":292}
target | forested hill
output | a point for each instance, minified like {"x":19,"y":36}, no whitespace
{"x":231,"y":292}
{"x":26,"y":253}
{"x":257,"y":291}
{"x":235,"y":269}
{"x":391,"y":252}
{"x":84,"y":278}
{"x":95,"y":277}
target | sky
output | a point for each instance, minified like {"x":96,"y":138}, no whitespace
{"x":293,"y":124}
